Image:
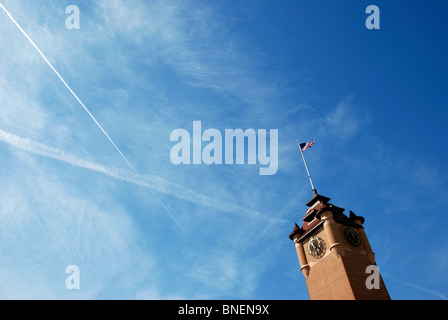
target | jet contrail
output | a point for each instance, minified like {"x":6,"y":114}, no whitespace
{"x":147,"y":181}
{"x":66,"y":85}
{"x":82,"y":104}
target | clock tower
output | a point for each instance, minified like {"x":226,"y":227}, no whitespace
{"x":335,"y":255}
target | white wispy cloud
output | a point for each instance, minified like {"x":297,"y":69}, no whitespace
{"x":195,"y":43}
{"x":345,"y":120}
{"x":116,"y":64}
{"x":149,"y":181}
{"x":419,"y":287}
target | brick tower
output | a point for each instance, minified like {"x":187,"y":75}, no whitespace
{"x":335,"y":255}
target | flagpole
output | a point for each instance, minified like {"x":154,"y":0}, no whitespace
{"x":306,"y":167}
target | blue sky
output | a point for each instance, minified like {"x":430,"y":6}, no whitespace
{"x":375,"y":102}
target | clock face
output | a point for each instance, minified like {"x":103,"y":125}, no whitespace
{"x":352,"y":237}
{"x":316,"y":247}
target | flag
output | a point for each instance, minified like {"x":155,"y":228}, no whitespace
{"x":306,"y":145}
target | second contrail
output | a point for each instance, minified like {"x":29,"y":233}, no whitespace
{"x":82,"y":104}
